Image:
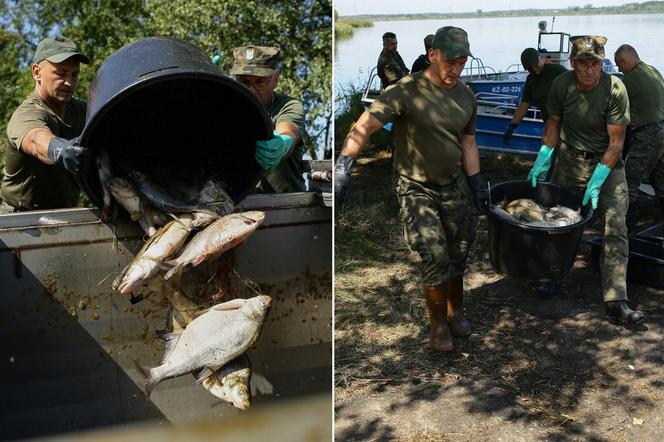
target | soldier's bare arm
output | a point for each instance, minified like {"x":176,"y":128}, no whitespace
{"x":35,"y":143}
{"x":616,"y":140}
{"x":286,"y":128}
{"x":470,"y":156}
{"x":551,"y":135}
{"x":359,"y":134}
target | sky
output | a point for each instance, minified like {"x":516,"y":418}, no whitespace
{"x":358,"y":7}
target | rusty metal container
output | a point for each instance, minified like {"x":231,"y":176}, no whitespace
{"x":65,"y":367}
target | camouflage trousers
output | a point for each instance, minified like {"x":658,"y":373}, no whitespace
{"x":439,"y":223}
{"x":646,"y":159}
{"x":573,"y":172}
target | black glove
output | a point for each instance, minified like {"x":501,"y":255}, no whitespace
{"x":507,"y":137}
{"x":480,"y":192}
{"x":74,"y":158}
{"x":342,"y":170}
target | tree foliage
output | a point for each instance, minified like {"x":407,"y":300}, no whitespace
{"x":303,"y":29}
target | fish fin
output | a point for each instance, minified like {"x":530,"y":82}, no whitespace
{"x":259,"y":385}
{"x":174,"y":270}
{"x":147,"y":372}
{"x":171,"y":340}
{"x":233,"y":304}
{"x":205,"y":373}
{"x":178,"y":220}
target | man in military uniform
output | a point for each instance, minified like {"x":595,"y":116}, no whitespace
{"x":645,"y":88}
{"x":390,"y":65}
{"x":257,"y":67}
{"x":422,"y":61}
{"x":588,"y":113}
{"x":434,"y":152}
{"x":43,"y":131}
{"x":536,"y":89}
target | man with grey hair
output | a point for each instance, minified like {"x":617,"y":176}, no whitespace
{"x":588,"y":114}
{"x":437,"y":174}
{"x":44,"y":131}
{"x":645,"y":159}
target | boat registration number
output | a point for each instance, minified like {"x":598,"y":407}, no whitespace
{"x":505,"y":89}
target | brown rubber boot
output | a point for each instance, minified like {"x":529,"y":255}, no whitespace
{"x":440,"y":338}
{"x":459,"y":325}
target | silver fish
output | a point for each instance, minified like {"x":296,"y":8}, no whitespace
{"x":211,"y":341}
{"x":166,"y":242}
{"x":126,"y":195}
{"x":527,"y":211}
{"x":211,"y":197}
{"x":231,"y":383}
{"x":222,"y":235}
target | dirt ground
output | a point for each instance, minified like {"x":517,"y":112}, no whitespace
{"x":534,"y":369}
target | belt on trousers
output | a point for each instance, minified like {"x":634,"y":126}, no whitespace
{"x":583,"y":153}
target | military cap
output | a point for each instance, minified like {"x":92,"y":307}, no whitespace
{"x":587,"y":47}
{"x":427,"y":41}
{"x":57,"y":49}
{"x":530,"y":57}
{"x":452,"y":41}
{"x":260,"y":61}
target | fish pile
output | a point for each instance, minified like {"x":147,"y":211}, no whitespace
{"x":185,"y":226}
{"x":213,"y":346}
{"x":529,"y":212}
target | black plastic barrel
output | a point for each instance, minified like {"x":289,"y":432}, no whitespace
{"x":160,"y":106}
{"x":537,"y":254}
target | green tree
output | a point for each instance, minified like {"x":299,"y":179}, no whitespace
{"x":303,"y":30}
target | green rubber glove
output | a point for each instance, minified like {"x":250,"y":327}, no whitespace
{"x":541,"y":166}
{"x":595,"y":184}
{"x":216,"y":59}
{"x":270,"y":152}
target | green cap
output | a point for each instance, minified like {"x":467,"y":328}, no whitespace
{"x":530,"y":57}
{"x":452,"y":41}
{"x":57,"y":49}
{"x":427,"y":41}
{"x":587,"y":47}
{"x":260,"y":61}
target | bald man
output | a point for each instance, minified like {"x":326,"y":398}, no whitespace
{"x":645,"y":159}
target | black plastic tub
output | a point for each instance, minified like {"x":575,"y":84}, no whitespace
{"x":160,"y":106}
{"x":646,"y":260}
{"x":536,"y":254}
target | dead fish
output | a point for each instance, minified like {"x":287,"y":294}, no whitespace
{"x":125,"y":194}
{"x":202,"y":219}
{"x":211,"y":197}
{"x":222,"y":235}
{"x":211,"y":341}
{"x":525,"y":210}
{"x":565,"y":214}
{"x":166,"y":242}
{"x":231,"y":383}
{"x":105,"y":174}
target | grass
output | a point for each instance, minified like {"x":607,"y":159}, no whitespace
{"x":345,"y":29}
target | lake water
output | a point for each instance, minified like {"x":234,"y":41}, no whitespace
{"x":497,"y":41}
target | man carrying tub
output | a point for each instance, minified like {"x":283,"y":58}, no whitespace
{"x":588,"y":113}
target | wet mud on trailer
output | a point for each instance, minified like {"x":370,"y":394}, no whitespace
{"x":69,"y":341}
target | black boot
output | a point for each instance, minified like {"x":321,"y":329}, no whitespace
{"x":620,"y":311}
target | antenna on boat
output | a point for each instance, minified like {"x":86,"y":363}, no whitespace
{"x":553,"y":22}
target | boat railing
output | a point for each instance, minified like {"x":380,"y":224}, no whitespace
{"x":477,"y":70}
{"x":502,"y":104}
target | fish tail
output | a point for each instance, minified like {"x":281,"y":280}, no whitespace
{"x":147,"y":372}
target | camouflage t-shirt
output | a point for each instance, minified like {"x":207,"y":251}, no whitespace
{"x":429,"y":122}
{"x":28,"y":183}
{"x":645,"y":88}
{"x":536,"y":89}
{"x":287,"y":175}
{"x":585,"y":114}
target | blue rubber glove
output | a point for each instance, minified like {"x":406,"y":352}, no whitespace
{"x":342,"y":178}
{"x":73,"y":158}
{"x":595,"y":184}
{"x":541,"y":166}
{"x":270,"y":152}
{"x":216,"y":59}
